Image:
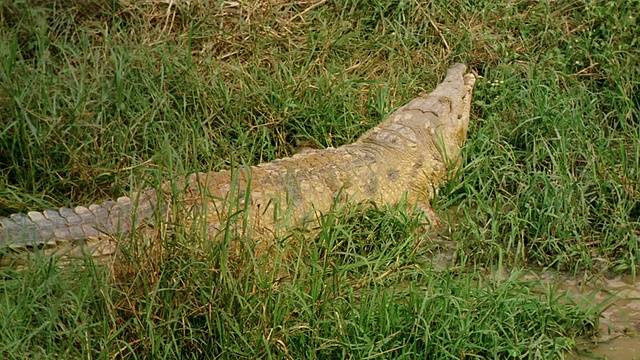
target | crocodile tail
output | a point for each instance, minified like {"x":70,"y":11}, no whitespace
{"x":67,"y":226}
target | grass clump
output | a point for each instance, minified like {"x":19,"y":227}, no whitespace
{"x":329,"y":301}
{"x":100,"y":98}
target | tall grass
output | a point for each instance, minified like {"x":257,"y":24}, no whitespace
{"x":98,"y":98}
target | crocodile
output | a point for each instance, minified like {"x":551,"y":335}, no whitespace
{"x":409,"y":155}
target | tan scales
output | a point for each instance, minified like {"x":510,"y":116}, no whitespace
{"x":412,"y":153}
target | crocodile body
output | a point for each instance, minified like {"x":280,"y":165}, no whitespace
{"x":411,"y":153}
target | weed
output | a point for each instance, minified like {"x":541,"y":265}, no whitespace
{"x":98,"y":98}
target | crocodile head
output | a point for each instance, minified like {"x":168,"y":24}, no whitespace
{"x":435,"y":123}
{"x":454,"y":93}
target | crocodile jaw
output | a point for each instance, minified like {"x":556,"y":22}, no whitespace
{"x":450,"y":102}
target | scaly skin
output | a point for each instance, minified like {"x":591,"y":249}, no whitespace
{"x":412,"y":153}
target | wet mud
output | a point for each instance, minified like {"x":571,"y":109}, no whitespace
{"x":618,"y":337}
{"x":617,"y":296}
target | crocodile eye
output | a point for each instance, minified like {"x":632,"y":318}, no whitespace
{"x":446,"y":100}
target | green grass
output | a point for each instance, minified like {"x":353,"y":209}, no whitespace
{"x":359,"y":291}
{"x":98,"y":98}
